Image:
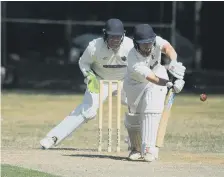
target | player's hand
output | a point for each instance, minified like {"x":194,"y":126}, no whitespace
{"x":92,"y":82}
{"x":178,"y":85}
{"x":88,"y":77}
{"x":176,"y":69}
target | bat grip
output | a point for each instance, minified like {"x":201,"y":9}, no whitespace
{"x":171,"y":79}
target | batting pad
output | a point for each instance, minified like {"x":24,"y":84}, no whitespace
{"x":149,"y":128}
{"x":132,"y":123}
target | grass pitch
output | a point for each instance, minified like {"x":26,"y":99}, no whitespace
{"x":27,"y":117}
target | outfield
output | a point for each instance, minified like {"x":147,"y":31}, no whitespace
{"x":195,"y":132}
{"x":9,"y":171}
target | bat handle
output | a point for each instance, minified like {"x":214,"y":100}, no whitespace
{"x":171,"y":77}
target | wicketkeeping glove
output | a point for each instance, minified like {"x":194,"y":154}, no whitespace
{"x":92,"y":82}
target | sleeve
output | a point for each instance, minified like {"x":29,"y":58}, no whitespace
{"x":142,"y":70}
{"x":87,"y":59}
{"x":160,"y":42}
{"x":138,"y":68}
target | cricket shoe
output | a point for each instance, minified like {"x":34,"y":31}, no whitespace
{"x":134,"y":155}
{"x":48,"y":142}
{"x":149,"y":157}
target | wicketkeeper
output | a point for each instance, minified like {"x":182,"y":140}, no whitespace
{"x":104,"y":58}
{"x":146,"y":87}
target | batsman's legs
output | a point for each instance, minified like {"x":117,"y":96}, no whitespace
{"x":132,"y":124}
{"x":150,"y":109}
{"x":149,"y":128}
{"x":142,"y":132}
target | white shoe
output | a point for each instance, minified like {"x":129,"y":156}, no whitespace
{"x":155,"y":152}
{"x":48,"y":142}
{"x":135,"y":155}
{"x":148,"y":157}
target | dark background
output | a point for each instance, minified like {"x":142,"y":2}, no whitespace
{"x":38,"y":54}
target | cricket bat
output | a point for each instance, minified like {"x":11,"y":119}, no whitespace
{"x":165,"y":117}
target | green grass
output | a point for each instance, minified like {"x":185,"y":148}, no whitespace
{"x":194,"y":126}
{"x":13,"y":171}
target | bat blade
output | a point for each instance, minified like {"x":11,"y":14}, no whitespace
{"x":164,"y":119}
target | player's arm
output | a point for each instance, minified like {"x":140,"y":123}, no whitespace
{"x":177,"y":85}
{"x":156,"y":80}
{"x":175,"y":68}
{"x":169,"y":51}
{"x":86,"y":60}
{"x":148,"y":74}
{"x":166,"y":48}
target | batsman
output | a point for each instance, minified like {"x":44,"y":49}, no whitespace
{"x":146,"y":85}
{"x":104,"y":58}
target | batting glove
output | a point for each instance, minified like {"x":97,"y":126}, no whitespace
{"x":176,"y":69}
{"x":178,"y":85}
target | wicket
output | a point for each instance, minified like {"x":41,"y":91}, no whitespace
{"x":110,"y":82}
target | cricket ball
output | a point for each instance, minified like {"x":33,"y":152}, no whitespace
{"x":203,"y":97}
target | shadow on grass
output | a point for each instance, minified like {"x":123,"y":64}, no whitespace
{"x":99,"y":156}
{"x":103,"y":156}
{"x":96,"y":156}
{"x":74,"y":149}
{"x":69,"y":149}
